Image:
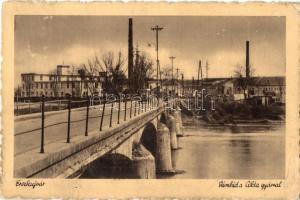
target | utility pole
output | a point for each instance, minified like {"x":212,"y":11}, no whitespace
{"x":160,"y":73}
{"x":206,"y":69}
{"x":182,"y":84}
{"x":137,"y":84}
{"x":193,"y":85}
{"x":199,"y":69}
{"x":156,"y":29}
{"x":177,"y":79}
{"x":172,"y":58}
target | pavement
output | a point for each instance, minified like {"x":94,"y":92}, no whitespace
{"x":28,"y":128}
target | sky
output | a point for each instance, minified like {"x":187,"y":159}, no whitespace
{"x":42,"y":42}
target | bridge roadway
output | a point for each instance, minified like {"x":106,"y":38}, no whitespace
{"x":28,"y":133}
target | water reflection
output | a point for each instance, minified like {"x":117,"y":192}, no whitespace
{"x":235,"y":152}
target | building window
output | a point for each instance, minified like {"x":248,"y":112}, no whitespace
{"x":73,"y":85}
{"x":96,"y":85}
{"x":46,"y":85}
{"x":41,"y":77}
{"x":62,"y":94}
{"x":46,"y":93}
{"x":42,"y":85}
{"x":68,"y":83}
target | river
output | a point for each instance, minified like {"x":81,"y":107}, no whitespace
{"x":244,"y":151}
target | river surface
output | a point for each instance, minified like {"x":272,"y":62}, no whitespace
{"x":244,"y":151}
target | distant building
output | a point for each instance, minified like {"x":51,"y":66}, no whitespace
{"x":59,"y":84}
{"x":174,"y":87}
{"x":262,"y":88}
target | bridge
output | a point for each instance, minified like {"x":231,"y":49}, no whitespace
{"x":63,"y":144}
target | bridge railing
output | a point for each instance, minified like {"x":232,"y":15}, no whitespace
{"x":111,"y":113}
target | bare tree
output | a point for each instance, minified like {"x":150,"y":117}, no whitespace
{"x":166,"y":73}
{"x":142,"y":72}
{"x":115,"y":78}
{"x":243,"y":82}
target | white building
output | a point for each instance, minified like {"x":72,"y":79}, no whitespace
{"x":59,"y":84}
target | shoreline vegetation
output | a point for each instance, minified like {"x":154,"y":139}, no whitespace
{"x":230,"y":113}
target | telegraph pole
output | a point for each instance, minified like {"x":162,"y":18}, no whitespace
{"x":172,"y":58}
{"x":193,"y":85}
{"x":199,"y":69}
{"x":138,"y":86}
{"x":206,"y":66}
{"x":156,"y":29}
{"x":182,"y":84}
{"x":177,"y":79}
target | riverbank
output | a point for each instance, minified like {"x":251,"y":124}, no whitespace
{"x":237,"y":113}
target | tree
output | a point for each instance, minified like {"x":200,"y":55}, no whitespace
{"x":115,"y":78}
{"x":166,"y":73}
{"x":89,"y":73}
{"x":243,"y":82}
{"x":142,"y":72}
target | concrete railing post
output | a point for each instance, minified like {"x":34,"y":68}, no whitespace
{"x":163,"y":149}
{"x":172,"y":126}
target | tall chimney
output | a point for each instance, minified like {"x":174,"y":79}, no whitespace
{"x":247,"y":60}
{"x":130,"y":52}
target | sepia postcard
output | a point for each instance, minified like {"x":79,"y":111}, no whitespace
{"x":150,"y":100}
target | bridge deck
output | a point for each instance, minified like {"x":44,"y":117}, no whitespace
{"x":27,"y":157}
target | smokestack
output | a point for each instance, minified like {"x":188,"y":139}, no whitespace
{"x":247,"y":60}
{"x":130,"y":51}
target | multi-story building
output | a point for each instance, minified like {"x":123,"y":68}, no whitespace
{"x":59,"y":84}
{"x":256,"y":87}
